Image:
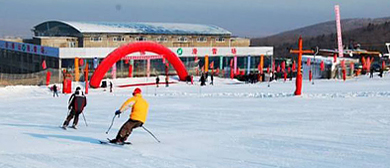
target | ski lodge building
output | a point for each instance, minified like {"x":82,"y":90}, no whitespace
{"x":58,"y":43}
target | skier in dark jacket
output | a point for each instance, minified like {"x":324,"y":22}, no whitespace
{"x":212,"y":79}
{"x":371,"y":72}
{"x":110,"y":87}
{"x":76,"y":107}
{"x":202,"y":80}
{"x":157,"y":81}
{"x":55,"y":90}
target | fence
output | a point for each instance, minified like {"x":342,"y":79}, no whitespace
{"x":37,"y":78}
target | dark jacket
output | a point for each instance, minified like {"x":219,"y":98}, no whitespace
{"x":78,"y":102}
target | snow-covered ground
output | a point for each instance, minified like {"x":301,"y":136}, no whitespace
{"x":230,"y":124}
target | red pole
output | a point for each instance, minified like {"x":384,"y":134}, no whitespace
{"x":48,"y":74}
{"x":298,"y":83}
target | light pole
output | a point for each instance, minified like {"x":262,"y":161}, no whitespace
{"x":269,"y":74}
{"x":314,"y":62}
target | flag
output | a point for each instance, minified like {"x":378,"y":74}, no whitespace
{"x":44,"y":64}
{"x":352,"y":65}
{"x":368,"y":64}
{"x":283,"y":66}
{"x":293,"y":66}
{"x":335,"y":58}
{"x":364,"y":64}
{"x":273,"y":67}
{"x":322,"y":66}
{"x":383,"y":65}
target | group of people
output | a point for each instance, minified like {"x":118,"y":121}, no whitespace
{"x":204,"y":77}
{"x":166,"y":81}
{"x":139,"y":110}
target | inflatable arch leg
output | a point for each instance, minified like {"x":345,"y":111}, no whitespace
{"x":122,"y":51}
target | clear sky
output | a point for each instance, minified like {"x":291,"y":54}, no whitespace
{"x":245,"y":18}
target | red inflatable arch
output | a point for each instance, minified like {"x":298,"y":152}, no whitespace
{"x":144,"y":46}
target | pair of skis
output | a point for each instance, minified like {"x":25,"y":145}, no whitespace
{"x":108,"y":142}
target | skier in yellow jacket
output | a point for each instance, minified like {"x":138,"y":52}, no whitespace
{"x":139,"y":111}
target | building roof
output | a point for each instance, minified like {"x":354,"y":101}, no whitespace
{"x":143,"y":28}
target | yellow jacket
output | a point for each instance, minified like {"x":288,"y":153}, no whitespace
{"x":139,"y":109}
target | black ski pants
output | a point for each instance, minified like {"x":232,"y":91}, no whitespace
{"x":126,"y":129}
{"x":72,"y":114}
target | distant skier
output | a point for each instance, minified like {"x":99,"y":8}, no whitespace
{"x":76,"y":106}
{"x":371,"y":72}
{"x":212,"y":79}
{"x":139,"y":112}
{"x":110,"y":87}
{"x":167,"y":81}
{"x":157,"y":81}
{"x":202,"y":80}
{"x":55,"y":90}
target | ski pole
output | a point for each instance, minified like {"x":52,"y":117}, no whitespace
{"x":112,"y":122}
{"x":85,"y":121}
{"x":150,"y":134}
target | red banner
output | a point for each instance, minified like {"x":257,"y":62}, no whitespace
{"x":143,"y":57}
{"x":44,"y":64}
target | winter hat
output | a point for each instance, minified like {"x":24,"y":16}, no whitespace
{"x":78,"y":88}
{"x":137,"y":91}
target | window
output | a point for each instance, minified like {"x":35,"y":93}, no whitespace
{"x":72,"y":44}
{"x":161,"y":39}
{"x":119,"y":38}
{"x":141,"y":38}
{"x":202,"y":39}
{"x":96,"y":39}
{"x":220,"y":39}
{"x":182,"y":39}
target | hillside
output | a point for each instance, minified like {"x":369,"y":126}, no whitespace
{"x":370,"y":33}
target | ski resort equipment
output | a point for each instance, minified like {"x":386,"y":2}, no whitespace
{"x":130,"y":48}
{"x":85,"y":121}
{"x":112,"y":122}
{"x":109,"y":143}
{"x":151,"y":134}
{"x":298,"y":84}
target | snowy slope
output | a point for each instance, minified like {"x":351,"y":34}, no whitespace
{"x":334,"y":124}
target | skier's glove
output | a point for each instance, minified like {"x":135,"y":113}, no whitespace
{"x":118,"y":112}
